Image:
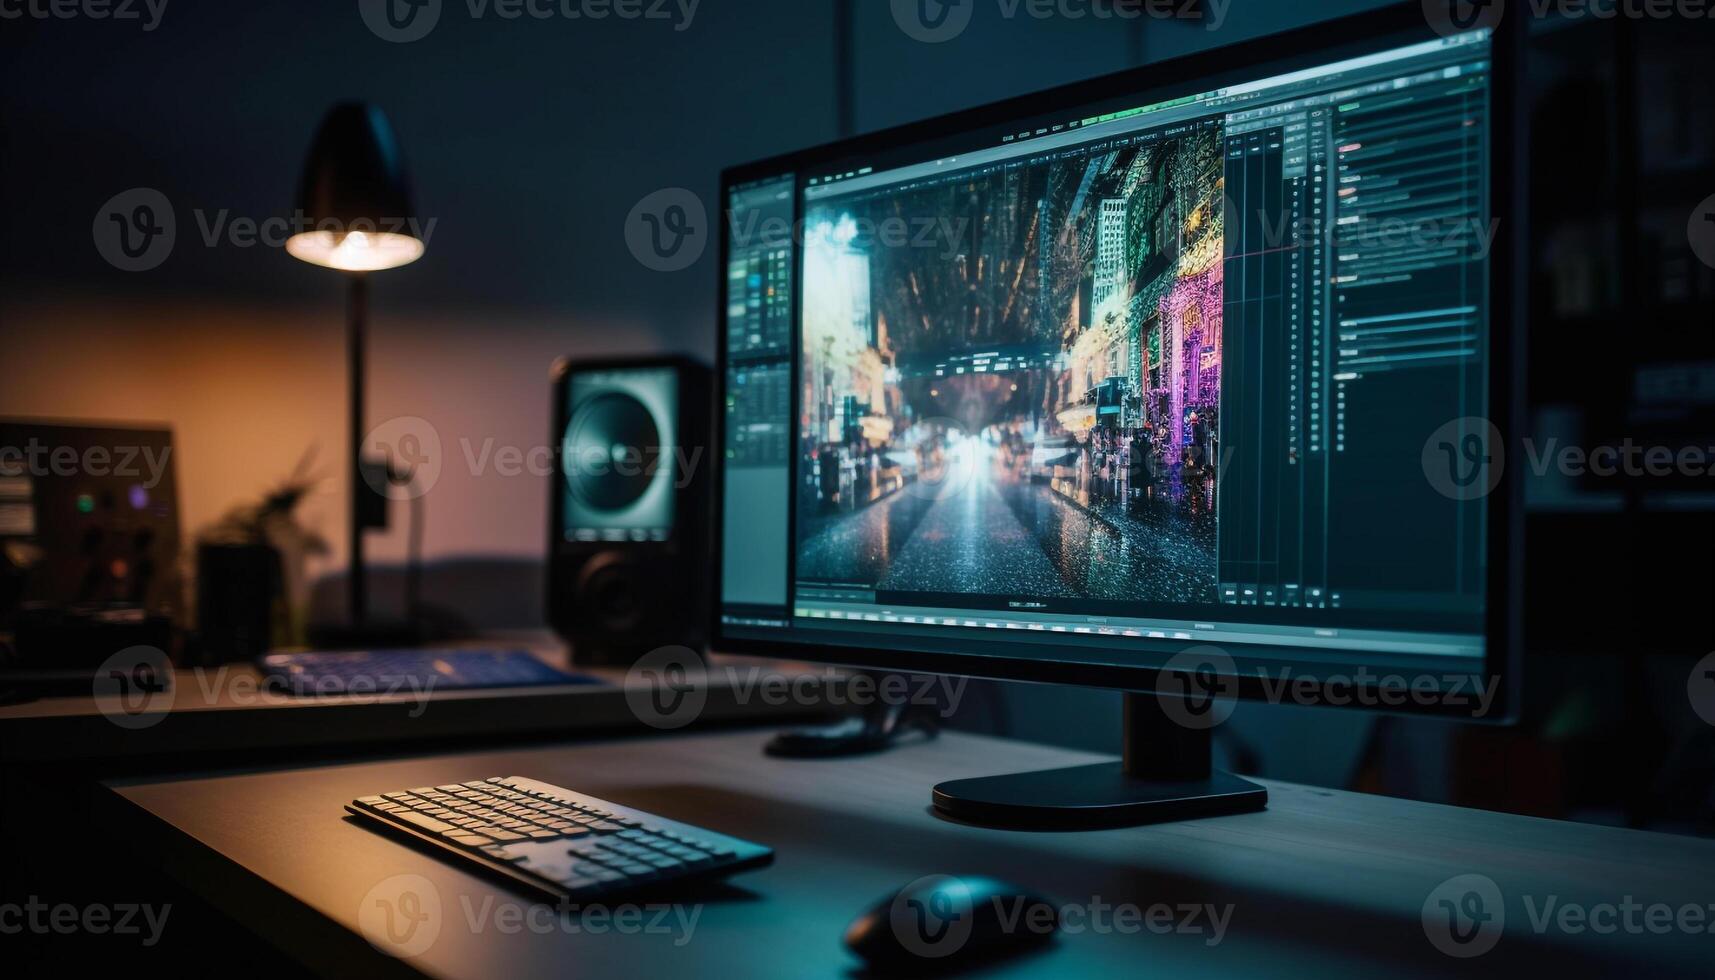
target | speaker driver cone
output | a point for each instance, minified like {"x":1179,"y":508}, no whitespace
{"x":612,"y":450}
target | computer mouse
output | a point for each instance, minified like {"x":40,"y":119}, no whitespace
{"x":946,"y":921}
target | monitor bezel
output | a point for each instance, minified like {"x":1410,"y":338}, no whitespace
{"x":1502,"y":638}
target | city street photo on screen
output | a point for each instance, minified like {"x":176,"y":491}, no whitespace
{"x":1011,"y":378}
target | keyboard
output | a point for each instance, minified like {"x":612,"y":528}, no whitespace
{"x":558,"y":843}
{"x":411,"y":670}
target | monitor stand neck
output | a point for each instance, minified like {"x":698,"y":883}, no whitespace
{"x":1166,"y":774}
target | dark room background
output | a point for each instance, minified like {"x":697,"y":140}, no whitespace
{"x":530,"y":141}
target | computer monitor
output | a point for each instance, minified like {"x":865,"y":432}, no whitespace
{"x":1191,"y":382}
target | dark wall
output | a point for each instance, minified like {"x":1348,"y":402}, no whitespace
{"x":530,"y":140}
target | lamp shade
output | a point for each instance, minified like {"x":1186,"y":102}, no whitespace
{"x":355,"y":197}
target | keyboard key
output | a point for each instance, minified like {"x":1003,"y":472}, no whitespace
{"x":427,"y":823}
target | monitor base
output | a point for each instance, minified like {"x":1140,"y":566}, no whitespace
{"x":1166,"y":775}
{"x":1099,"y":795}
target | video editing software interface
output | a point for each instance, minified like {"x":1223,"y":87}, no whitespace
{"x":1137,"y":377}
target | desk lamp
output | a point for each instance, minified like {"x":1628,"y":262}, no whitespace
{"x":354,"y":203}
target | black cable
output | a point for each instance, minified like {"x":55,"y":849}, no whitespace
{"x":845,"y":68}
{"x":414,"y":561}
{"x":403,"y":477}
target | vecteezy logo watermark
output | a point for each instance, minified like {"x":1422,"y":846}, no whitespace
{"x":933,"y":21}
{"x":937,"y":21}
{"x":934,"y":917}
{"x":667,"y":687}
{"x":410,"y":450}
{"x":1464,"y":459}
{"x":668,"y":230}
{"x":403,"y":21}
{"x":1464,"y":916}
{"x":147,"y":11}
{"x":134,"y":687}
{"x":947,"y":236}
{"x":512,"y":918}
{"x":1198,"y":687}
{"x":137,"y":687}
{"x":1701,"y":231}
{"x":401,"y":916}
{"x":1472,"y":694}
{"x":1700,"y":687}
{"x":400,"y":21}
{"x":931,"y":917}
{"x":1469,"y":236}
{"x":1449,"y":17}
{"x":134,"y":231}
{"x":123,"y":919}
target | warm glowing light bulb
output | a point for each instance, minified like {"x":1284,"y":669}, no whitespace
{"x":355,"y":251}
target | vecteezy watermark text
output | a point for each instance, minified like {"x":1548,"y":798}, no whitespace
{"x":946,"y":236}
{"x":147,"y":12}
{"x":1199,"y":688}
{"x":404,"y":916}
{"x":65,"y":919}
{"x":1449,"y":17}
{"x":415,"y":459}
{"x":1465,"y":916}
{"x":1464,"y":459}
{"x":678,"y":922}
{"x":136,"y":230}
{"x":146,"y":464}
{"x":937,"y":21}
{"x":934,"y":917}
{"x":669,"y":687}
{"x":404,"y":21}
{"x":137,"y":688}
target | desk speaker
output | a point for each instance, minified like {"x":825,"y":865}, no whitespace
{"x":629,"y":521}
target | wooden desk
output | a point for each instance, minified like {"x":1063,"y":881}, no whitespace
{"x":227,"y":710}
{"x":1321,"y":884}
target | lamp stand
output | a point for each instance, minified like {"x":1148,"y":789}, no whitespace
{"x":357,"y":326}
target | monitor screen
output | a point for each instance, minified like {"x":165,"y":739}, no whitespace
{"x":1095,"y":385}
